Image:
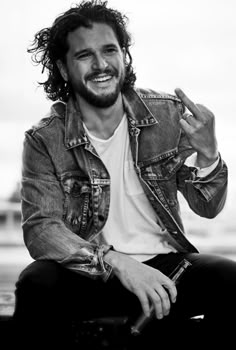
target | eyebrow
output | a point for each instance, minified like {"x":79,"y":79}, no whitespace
{"x":81,"y":52}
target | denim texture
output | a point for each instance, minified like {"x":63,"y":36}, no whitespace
{"x":66,"y":187}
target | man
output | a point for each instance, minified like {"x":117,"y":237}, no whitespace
{"x":99,"y":190}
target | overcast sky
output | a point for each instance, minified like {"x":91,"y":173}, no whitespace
{"x":185,"y":43}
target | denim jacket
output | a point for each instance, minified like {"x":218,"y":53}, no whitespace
{"x":66,"y":186}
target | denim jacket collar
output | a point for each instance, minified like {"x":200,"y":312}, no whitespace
{"x":138,"y":115}
{"x":74,"y":130}
{"x":137,"y":111}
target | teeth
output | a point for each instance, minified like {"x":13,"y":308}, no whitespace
{"x":102,"y":78}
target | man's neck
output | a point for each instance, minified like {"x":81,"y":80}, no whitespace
{"x":101,"y":122}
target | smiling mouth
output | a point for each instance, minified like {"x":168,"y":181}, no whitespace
{"x":101,"y":78}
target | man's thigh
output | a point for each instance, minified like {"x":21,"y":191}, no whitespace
{"x":47,"y":282}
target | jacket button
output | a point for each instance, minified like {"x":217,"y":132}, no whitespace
{"x":103,"y":175}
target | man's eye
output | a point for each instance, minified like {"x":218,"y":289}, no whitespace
{"x":110,"y":50}
{"x":84,"y":56}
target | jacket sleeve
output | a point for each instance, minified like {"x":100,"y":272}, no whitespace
{"x":45,"y":234}
{"x":206,"y":196}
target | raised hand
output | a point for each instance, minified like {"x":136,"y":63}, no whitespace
{"x":199,"y":127}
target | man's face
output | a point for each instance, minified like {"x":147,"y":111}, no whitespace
{"x":95,"y":64}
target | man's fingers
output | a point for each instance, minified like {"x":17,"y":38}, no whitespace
{"x":188,"y":103}
{"x":186,"y":126}
{"x":157,"y":303}
{"x":156,"y":299}
{"x":172,"y":290}
{"x":190,"y":119}
{"x":165,"y":299}
{"x":144,"y":303}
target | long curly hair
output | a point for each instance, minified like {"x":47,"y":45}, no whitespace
{"x":50,"y":44}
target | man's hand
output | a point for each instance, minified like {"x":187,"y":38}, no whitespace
{"x":199,"y":127}
{"x":151,"y":286}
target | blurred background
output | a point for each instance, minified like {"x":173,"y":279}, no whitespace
{"x":188,"y":44}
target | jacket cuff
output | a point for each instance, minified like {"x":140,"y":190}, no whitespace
{"x":191,"y":161}
{"x":208,"y":176}
{"x":107,"y":268}
{"x":211,"y":184}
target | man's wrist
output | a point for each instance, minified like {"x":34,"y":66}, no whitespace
{"x":110,"y":257}
{"x":202,"y":171}
{"x":117,"y":260}
{"x":203,"y":161}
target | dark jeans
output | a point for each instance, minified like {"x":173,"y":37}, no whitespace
{"x":49,"y":296}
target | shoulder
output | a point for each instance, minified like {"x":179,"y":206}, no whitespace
{"x":156,"y":98}
{"x":150,"y":94}
{"x":56,"y":115}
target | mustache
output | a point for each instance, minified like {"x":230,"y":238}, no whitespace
{"x":97,"y":72}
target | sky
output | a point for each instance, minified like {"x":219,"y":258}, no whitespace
{"x":185,"y":43}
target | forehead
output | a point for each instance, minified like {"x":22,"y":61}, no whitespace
{"x":98,"y":35}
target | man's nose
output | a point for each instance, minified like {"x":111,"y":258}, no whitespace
{"x":99,"y":62}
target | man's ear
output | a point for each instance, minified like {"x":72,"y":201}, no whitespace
{"x":62,"y":68}
{"x":124,"y":52}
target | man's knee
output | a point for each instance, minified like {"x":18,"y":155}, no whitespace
{"x":41,"y":274}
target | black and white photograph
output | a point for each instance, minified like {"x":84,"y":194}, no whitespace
{"x":117,"y":213}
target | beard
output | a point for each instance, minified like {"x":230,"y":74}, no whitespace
{"x":104,"y":100}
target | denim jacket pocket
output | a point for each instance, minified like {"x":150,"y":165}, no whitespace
{"x":77,"y":212}
{"x":163,"y":169}
{"x":161,"y":178}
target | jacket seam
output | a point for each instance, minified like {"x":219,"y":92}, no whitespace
{"x":207,"y":194}
{"x":158,"y":97}
{"x":44,"y":124}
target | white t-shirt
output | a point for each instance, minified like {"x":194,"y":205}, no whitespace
{"x":131,"y":226}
